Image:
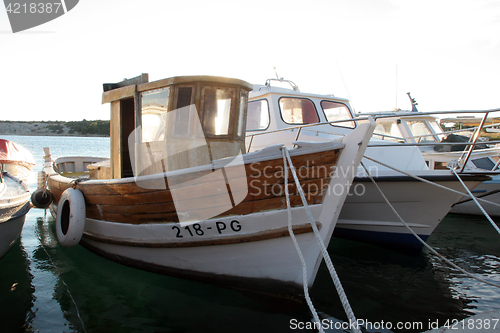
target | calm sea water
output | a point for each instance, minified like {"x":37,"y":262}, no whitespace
{"x":47,"y":288}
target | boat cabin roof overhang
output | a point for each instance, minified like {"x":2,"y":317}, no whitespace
{"x":117,"y":91}
{"x":260,"y":91}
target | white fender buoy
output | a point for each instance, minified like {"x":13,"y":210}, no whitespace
{"x":70,"y":219}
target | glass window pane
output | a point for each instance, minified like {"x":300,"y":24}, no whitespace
{"x":335,"y":111}
{"x":258,"y":115}
{"x":389,"y":130}
{"x":298,"y":111}
{"x":184,"y":96}
{"x":419,"y":128}
{"x":437,"y":129}
{"x":240,"y":133}
{"x":182,"y":118}
{"x":154,"y":104}
{"x":217,"y":106}
{"x":484,"y":163}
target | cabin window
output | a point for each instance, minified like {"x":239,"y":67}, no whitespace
{"x":388,"y":130}
{"x":217,"y":110}
{"x":298,"y":111}
{"x":258,"y":115}
{"x":420,"y":131}
{"x":154,"y":107}
{"x":437,"y":129}
{"x":484,"y":163}
{"x":182,"y":118}
{"x":240,"y":133}
{"x":335,"y":111}
{"x":184,"y":97}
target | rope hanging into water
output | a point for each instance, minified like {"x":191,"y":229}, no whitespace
{"x":427,"y":246}
{"x":476,"y":202}
{"x":324,"y":252}
{"x":297,"y":248}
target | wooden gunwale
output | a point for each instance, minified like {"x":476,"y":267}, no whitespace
{"x":129,"y":203}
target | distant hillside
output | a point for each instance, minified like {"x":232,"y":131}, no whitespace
{"x":71,"y":128}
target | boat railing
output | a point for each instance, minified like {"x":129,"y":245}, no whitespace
{"x":307,"y":126}
{"x":281,"y":80}
{"x":390,"y":137}
{"x":473,"y":140}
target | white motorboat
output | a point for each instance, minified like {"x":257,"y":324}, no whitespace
{"x":14,"y":195}
{"x":278,"y":114}
{"x":180,"y":196}
{"x":439,"y":148}
{"x":16,"y":159}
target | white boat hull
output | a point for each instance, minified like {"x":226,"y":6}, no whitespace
{"x":14,"y":205}
{"x":490,"y":191}
{"x":269,"y":265}
{"x":422,"y":206}
{"x":9,"y":233}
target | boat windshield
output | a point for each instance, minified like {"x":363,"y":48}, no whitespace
{"x":154,"y":108}
{"x":217,"y":105}
{"x":437,"y":129}
{"x":388,"y":130}
{"x":420,"y":131}
{"x":335,"y":111}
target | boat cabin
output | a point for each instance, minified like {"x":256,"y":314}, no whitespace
{"x":174,"y":123}
{"x":436,"y":145}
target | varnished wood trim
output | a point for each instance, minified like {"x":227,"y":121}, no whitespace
{"x":255,"y":237}
{"x":117,"y":94}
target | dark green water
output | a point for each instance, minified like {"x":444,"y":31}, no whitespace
{"x":40,"y":282}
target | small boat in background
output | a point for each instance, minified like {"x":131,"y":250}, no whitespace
{"x":16,"y":159}
{"x":14,"y":193}
{"x":180,"y":195}
{"x":440,"y":148}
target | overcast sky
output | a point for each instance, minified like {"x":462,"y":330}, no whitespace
{"x":446,"y":53}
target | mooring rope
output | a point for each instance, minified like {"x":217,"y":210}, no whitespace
{"x":475,"y":201}
{"x":324,"y":252}
{"x":427,"y":246}
{"x":297,"y":248}
{"x":428,"y":181}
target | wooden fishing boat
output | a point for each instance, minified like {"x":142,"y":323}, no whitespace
{"x":180,"y":196}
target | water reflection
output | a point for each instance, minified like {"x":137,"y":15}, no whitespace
{"x":385,"y":285}
{"x":115,"y":298}
{"x":16,"y":291}
{"x":381,"y":285}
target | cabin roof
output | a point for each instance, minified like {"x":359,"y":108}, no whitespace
{"x":125,"y":91}
{"x":194,"y":79}
{"x":262,"y":90}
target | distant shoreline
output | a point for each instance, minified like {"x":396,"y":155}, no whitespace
{"x":93,"y":128}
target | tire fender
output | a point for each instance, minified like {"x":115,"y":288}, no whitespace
{"x":70,"y":220}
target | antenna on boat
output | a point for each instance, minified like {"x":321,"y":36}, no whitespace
{"x":275,"y":72}
{"x":413,"y":103}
